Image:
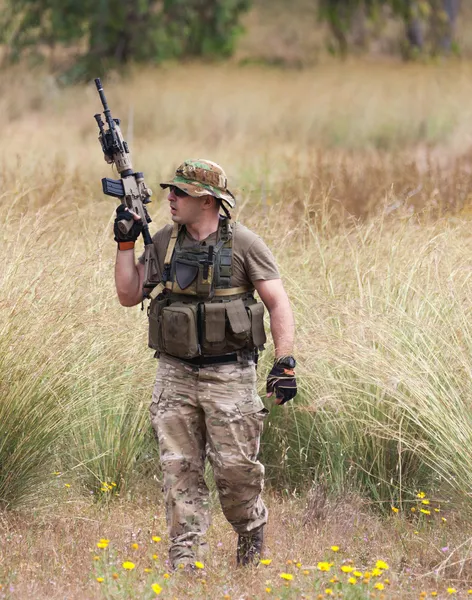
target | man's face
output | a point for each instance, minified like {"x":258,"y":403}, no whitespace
{"x":184,"y":209}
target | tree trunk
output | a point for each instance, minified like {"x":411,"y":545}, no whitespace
{"x":448,"y":29}
{"x":414,"y":33}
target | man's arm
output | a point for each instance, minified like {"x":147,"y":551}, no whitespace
{"x":282,"y":325}
{"x":129,"y":278}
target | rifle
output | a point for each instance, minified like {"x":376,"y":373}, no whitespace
{"x":130,"y":189}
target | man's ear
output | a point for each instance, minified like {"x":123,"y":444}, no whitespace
{"x":209,"y":202}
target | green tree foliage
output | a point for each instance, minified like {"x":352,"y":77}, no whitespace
{"x":433,"y":20}
{"x":107,"y":33}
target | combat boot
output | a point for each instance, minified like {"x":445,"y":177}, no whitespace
{"x":250,"y":547}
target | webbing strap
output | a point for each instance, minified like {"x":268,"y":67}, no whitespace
{"x":222,"y":291}
{"x":232,"y":291}
{"x":171,"y":245}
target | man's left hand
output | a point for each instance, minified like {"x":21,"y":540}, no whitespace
{"x":281,"y":380}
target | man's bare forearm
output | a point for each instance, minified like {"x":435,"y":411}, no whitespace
{"x":127,"y":278}
{"x":282,"y":327}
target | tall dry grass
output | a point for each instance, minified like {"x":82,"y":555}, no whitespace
{"x":381,"y":303}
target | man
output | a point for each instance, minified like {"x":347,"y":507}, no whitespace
{"x":207,"y":330}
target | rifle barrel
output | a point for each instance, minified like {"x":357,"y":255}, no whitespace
{"x":98,"y":83}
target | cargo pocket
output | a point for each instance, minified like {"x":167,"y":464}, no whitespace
{"x":252,"y":405}
{"x":156,"y":398}
{"x":179,"y":330}
{"x":256,"y":315}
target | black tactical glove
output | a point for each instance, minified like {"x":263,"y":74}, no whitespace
{"x":281,"y":379}
{"x":122,"y":214}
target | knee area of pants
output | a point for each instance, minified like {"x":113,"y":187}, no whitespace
{"x":235,"y":476}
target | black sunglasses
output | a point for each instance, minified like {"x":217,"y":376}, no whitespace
{"x":177,"y":191}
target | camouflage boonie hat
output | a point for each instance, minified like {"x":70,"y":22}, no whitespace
{"x":199,"y":177}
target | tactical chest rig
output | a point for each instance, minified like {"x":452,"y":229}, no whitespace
{"x":194,"y":312}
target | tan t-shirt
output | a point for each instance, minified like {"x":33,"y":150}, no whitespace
{"x":252,"y":260}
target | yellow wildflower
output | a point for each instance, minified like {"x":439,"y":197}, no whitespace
{"x":451,"y":591}
{"x":128,"y":565}
{"x":135,"y":546}
{"x":265,"y":561}
{"x":166,"y":576}
{"x":100,"y":579}
{"x":298,"y":565}
{"x":324,"y":566}
{"x":425,"y":501}
{"x":334,"y":579}
{"x":147,"y":570}
{"x":115,"y":575}
{"x":306,"y":572}
{"x":420,"y":495}
{"x":413,"y":509}
{"x":394,"y":509}
{"x":155,"y":557}
{"x":226,"y":597}
{"x":379,"y":586}
{"x":156,"y":588}
{"x":268,"y":590}
{"x":380,"y":564}
{"x":357,"y":573}
{"x":286,"y":576}
{"x":352,"y":580}
{"x":376,"y":572}
{"x":425,"y":511}
{"x":67,"y":485}
{"x":347,"y":569}
{"x":199,"y":565}
{"x":434,"y":594}
{"x":469,"y":592}
{"x":156,"y":538}
{"x":328,"y":591}
{"x":423,"y":594}
{"x":387,"y":581}
{"x":96,"y":558}
{"x":335,"y":548}
{"x":102,"y":545}
{"x":289,"y":562}
{"x":443,"y":519}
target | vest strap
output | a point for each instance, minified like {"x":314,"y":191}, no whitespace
{"x":171,"y":245}
{"x":223,"y":291}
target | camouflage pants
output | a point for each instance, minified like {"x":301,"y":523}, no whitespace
{"x":213,"y":412}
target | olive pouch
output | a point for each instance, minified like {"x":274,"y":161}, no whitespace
{"x":225,"y":327}
{"x":179,"y":332}
{"x":155,"y":317}
{"x":256,"y":314}
{"x":237,"y":317}
{"x":214,"y":328}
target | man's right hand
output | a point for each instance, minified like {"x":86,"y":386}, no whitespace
{"x":124,"y":214}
